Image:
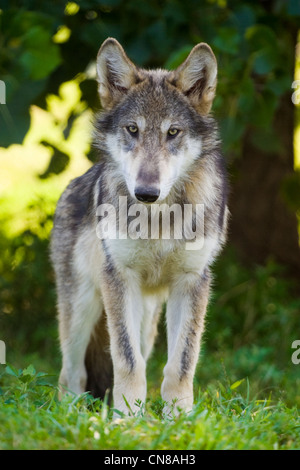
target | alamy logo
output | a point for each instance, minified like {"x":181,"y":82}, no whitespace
{"x":159,"y":221}
{"x":296,"y":94}
{"x":296,"y":354}
{"x":2,"y":353}
{"x":2,"y":92}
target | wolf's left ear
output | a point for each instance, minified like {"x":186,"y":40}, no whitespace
{"x":196,"y":77}
{"x":115,"y":73}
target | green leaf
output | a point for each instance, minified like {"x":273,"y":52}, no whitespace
{"x":30,"y":370}
{"x":236,"y":384}
{"x":41,"y":56}
{"x":42,"y":374}
{"x":12,"y":371}
{"x":25,"y":379}
{"x":260,"y":36}
{"x":266,"y":60}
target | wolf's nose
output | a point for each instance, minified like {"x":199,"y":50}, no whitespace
{"x":147,"y":194}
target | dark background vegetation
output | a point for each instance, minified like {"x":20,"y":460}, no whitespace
{"x":254,"y":314}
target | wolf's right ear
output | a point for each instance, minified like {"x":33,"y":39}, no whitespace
{"x":115,"y":73}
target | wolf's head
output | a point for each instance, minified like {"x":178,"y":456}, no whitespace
{"x":154,"y":122}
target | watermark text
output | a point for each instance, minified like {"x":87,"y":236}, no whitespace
{"x":157,"y":221}
{"x":296,"y":94}
{"x":296,"y":353}
{"x":2,"y":352}
{"x":2,"y":92}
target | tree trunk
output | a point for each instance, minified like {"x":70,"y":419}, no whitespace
{"x":262,"y":225}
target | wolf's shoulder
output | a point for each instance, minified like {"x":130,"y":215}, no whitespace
{"x":74,"y":203}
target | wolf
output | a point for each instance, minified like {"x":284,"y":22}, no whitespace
{"x":158,"y":145}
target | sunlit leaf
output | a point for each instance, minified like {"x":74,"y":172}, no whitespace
{"x":30,"y":370}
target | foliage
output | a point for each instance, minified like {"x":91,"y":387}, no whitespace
{"x":27,"y":296}
{"x":254,"y":43}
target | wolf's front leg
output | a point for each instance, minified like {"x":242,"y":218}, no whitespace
{"x":185,"y":323}
{"x":124,"y":308}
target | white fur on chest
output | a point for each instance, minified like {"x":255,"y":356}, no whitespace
{"x":157,"y":262}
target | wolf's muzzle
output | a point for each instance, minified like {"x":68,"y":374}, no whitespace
{"x":146,"y":194}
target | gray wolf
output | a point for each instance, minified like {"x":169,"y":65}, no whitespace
{"x":158,"y":145}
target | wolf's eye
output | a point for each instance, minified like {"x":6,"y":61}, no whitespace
{"x":172,"y":132}
{"x":133,"y":130}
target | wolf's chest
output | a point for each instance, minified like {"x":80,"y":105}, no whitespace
{"x":157,"y":262}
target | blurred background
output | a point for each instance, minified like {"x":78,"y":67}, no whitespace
{"x":48,"y":97}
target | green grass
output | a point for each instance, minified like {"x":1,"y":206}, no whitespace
{"x":31,"y":417}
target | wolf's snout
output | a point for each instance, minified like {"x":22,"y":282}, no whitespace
{"x":146,"y":194}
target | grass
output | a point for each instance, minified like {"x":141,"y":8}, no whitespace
{"x":31,"y":417}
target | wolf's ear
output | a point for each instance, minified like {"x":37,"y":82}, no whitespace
{"x":196,"y":77}
{"x":115,"y":73}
